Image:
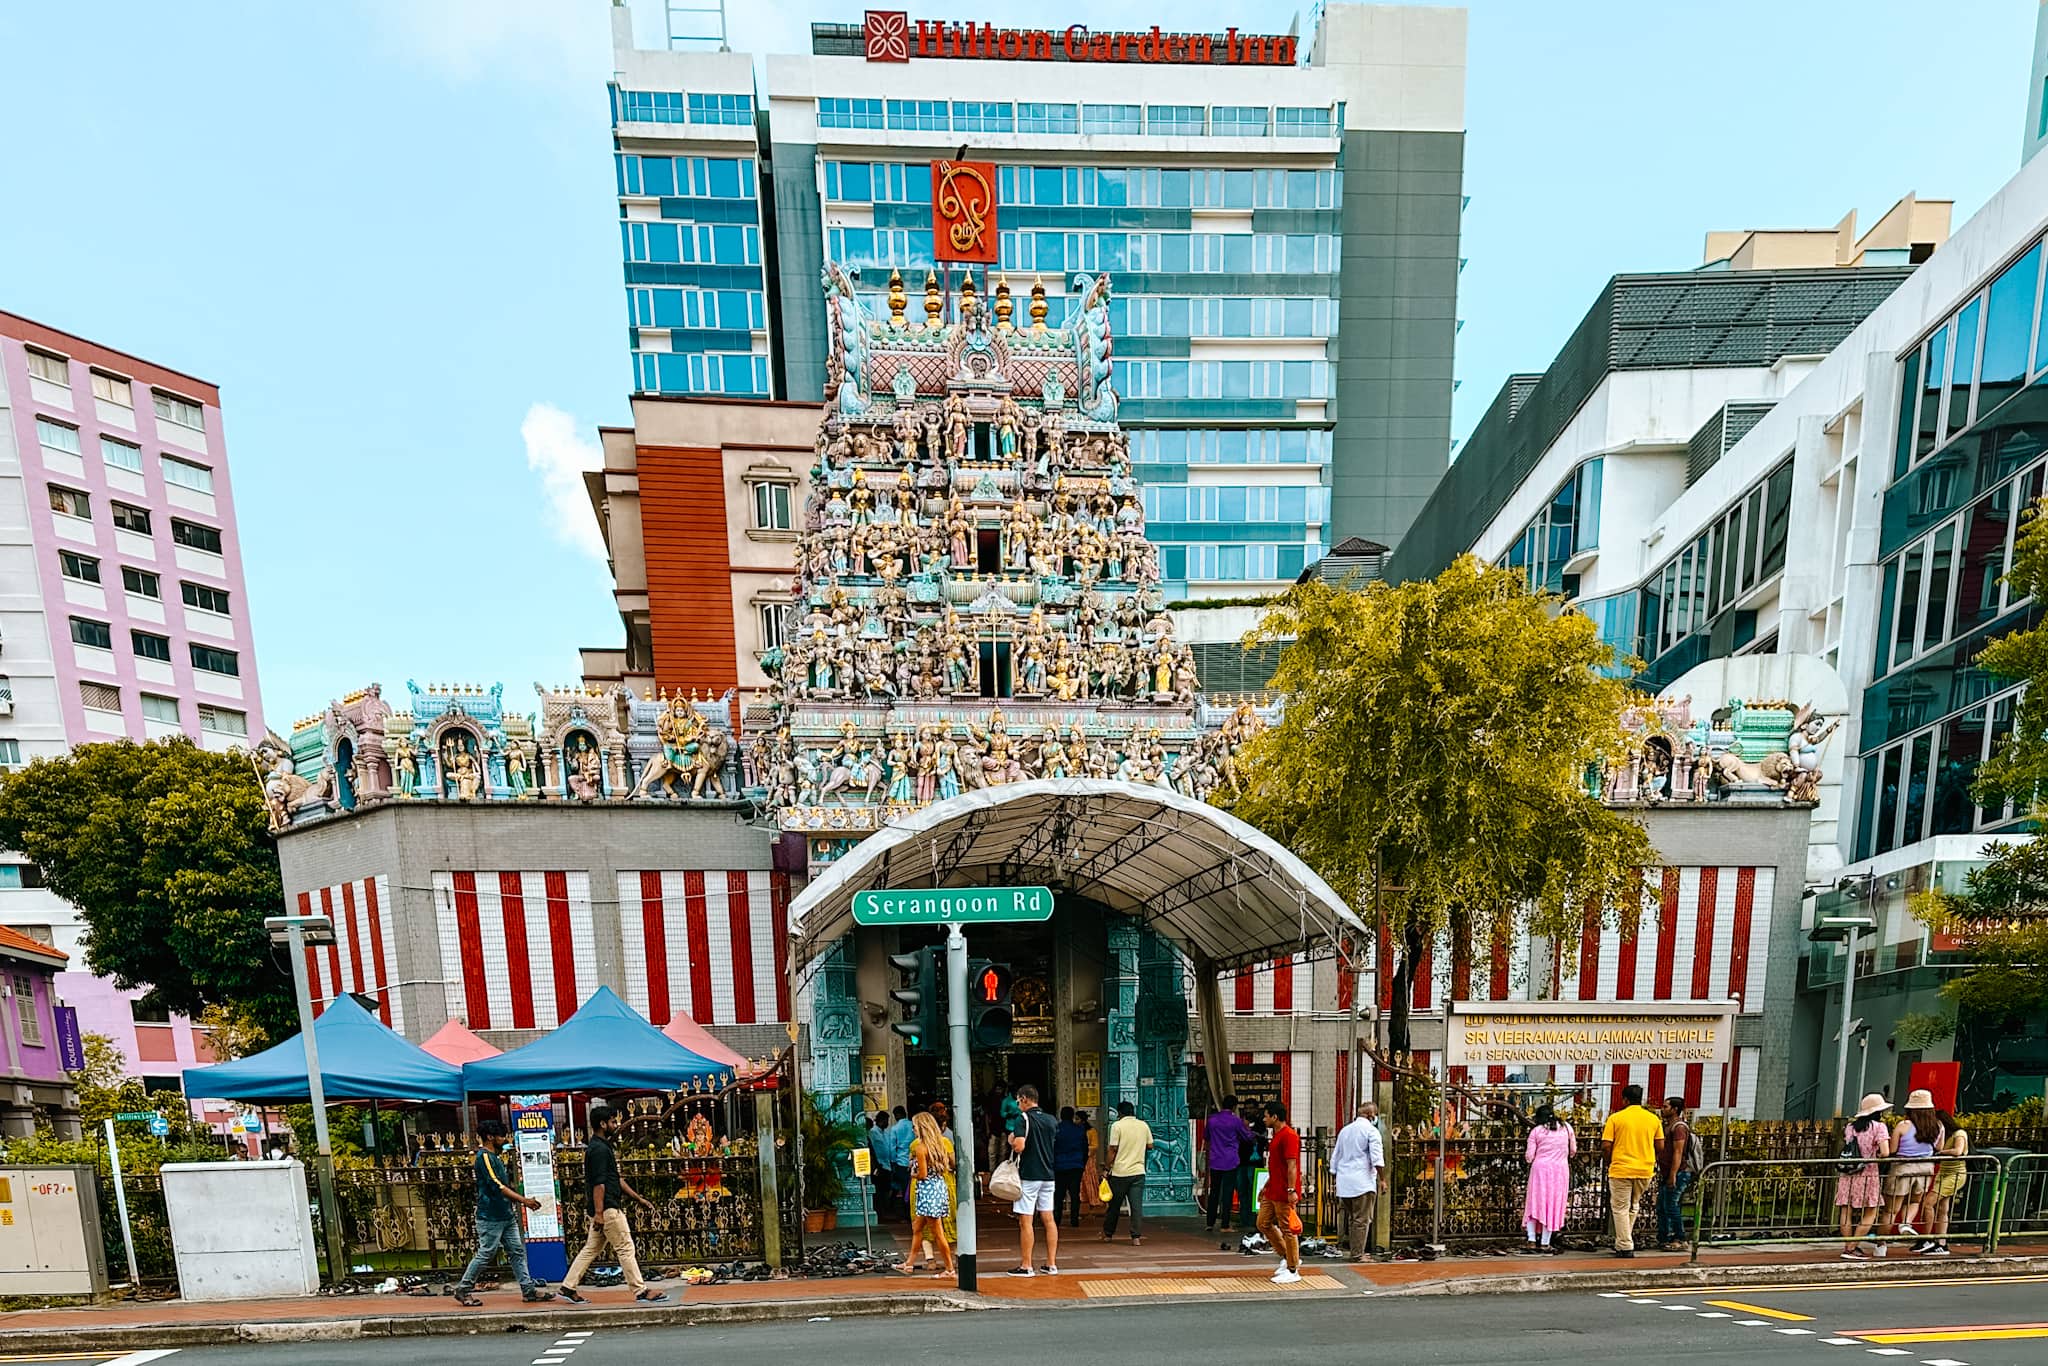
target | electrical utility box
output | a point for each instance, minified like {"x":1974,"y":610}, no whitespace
{"x":50,"y":1232}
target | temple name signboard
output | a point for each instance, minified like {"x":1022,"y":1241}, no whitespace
{"x":1604,"y":1033}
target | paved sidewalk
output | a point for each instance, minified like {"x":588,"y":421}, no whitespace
{"x":1175,"y":1263}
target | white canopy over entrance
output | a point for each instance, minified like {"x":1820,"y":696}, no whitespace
{"x":1197,"y":874}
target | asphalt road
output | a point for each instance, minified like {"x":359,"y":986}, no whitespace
{"x":1989,"y":1322}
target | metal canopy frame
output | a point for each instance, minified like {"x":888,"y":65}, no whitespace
{"x":1225,"y":892}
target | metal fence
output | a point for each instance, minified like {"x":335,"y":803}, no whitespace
{"x":1758,"y":1201}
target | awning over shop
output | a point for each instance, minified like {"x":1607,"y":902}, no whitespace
{"x":1186,"y":869}
{"x":455,"y":1044}
{"x":605,"y":1046}
{"x":360,"y":1059}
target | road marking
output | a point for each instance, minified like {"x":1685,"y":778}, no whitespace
{"x":1889,"y":1352}
{"x":1795,"y":1332}
{"x":1614,"y":1294}
{"x":1645,"y":1301}
{"x":1760,"y":1309}
{"x":1681,"y":1308}
{"x":60,"y":1356}
{"x":144,"y":1357}
{"x":1886,"y":1284}
{"x":1711,"y":1314}
{"x":1989,"y":1333}
{"x":1752,"y":1323}
{"x":1853,"y":1342}
{"x":1944,"y":1361}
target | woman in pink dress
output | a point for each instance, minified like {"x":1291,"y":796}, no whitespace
{"x":1859,"y":1193}
{"x":1549,"y":1154}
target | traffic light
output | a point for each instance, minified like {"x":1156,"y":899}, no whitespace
{"x":988,"y":1003}
{"x":919,"y":996}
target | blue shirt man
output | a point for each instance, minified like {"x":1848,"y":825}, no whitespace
{"x":497,"y":1223}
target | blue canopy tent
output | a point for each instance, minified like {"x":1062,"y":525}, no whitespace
{"x":360,"y":1059}
{"x":604,"y":1046}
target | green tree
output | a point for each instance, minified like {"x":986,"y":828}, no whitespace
{"x":2002,"y":912}
{"x":103,"y":1085}
{"x":162,"y":848}
{"x":1431,"y":762}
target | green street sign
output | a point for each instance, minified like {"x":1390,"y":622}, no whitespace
{"x":951,"y":905}
{"x":139,"y":1116}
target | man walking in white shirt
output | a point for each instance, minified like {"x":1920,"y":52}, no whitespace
{"x":1355,"y":1163}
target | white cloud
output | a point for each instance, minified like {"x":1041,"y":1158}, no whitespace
{"x":561,"y":454}
{"x":565,"y":43}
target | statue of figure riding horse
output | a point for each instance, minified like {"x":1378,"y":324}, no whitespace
{"x":692,"y":752}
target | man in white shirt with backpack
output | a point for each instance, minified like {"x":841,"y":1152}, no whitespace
{"x":1680,"y":1161}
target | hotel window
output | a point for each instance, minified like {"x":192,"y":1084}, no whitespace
{"x":155,"y":708}
{"x":56,"y":436}
{"x":924,"y":116}
{"x":73,"y":565}
{"x":223,"y":720}
{"x":1291,"y":122}
{"x":216,"y":661}
{"x":149,"y":645}
{"x":846,"y":113}
{"x":1048,"y":118}
{"x":774,"y":615}
{"x":99,"y":696}
{"x":194,"y":536}
{"x":51,"y":369}
{"x":205,"y":599}
{"x":1110,"y":118}
{"x":983,"y":116}
{"x":128,"y":517}
{"x":96,"y":634}
{"x":721,"y":109}
{"x":120,"y":455}
{"x":187,"y":475}
{"x":182,"y":411}
{"x":1174,"y":120}
{"x":1238,"y":121}
{"x":25,"y":1010}
{"x":141,"y":582}
{"x":112,"y":388}
{"x":70,"y":502}
{"x":771,"y":506}
{"x":10,"y":758}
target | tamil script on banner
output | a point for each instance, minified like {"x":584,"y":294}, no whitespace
{"x":1558,"y":1033}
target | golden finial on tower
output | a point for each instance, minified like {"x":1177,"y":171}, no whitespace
{"x":1038,"y":309}
{"x":966,"y":292}
{"x":1003,"y":304}
{"x":897,"y":300}
{"x":933,"y":304}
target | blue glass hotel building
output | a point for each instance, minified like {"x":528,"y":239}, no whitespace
{"x":1282,"y":239}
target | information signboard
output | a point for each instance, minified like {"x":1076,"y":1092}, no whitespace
{"x":533,"y":1138}
{"x":952,"y":905}
{"x":1577,"y":1033}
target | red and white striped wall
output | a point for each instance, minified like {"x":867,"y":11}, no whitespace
{"x":706,"y":944}
{"x":1704,"y":936}
{"x":364,"y":954}
{"x":518,"y":950}
{"x":1285,"y":986}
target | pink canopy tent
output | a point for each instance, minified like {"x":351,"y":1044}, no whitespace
{"x":454,"y":1043}
{"x":699,"y":1040}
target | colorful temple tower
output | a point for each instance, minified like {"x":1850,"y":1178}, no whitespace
{"x":977,"y":601}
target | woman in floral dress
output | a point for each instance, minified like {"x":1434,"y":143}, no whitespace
{"x":1859,"y":1191}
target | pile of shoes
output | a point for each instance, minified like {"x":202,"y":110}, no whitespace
{"x":1314,"y":1247}
{"x":603,"y":1276}
{"x":843,"y":1259}
{"x":1253,"y":1243}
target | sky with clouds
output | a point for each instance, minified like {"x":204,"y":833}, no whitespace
{"x":385,"y":229}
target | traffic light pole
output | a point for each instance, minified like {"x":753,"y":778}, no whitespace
{"x":963,"y":1100}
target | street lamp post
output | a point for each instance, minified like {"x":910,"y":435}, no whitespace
{"x":297,"y":932}
{"x":1845,"y":926}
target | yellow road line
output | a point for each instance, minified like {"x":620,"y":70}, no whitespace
{"x":2034,"y":1330}
{"x":1992,"y":1279}
{"x":1759,"y":1309}
{"x":62,"y":1356}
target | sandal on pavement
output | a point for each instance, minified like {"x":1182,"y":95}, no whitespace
{"x":467,"y":1300}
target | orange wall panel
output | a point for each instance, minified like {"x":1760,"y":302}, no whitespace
{"x":689,"y":581}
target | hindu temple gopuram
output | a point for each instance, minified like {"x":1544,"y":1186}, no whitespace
{"x":977,"y":603}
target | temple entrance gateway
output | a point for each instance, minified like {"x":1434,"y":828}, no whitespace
{"x":1155,"y":893}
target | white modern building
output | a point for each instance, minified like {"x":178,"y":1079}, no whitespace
{"x":1278,"y":215}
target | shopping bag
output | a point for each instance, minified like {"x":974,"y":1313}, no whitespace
{"x":1004,"y":1182}
{"x":1102,"y":1191}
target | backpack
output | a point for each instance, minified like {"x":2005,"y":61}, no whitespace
{"x":1853,"y":1159}
{"x":1695,"y":1151}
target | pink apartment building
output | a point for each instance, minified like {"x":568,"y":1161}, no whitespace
{"x":122,"y":610}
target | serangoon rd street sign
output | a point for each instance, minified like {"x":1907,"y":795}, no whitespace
{"x":952,"y":905}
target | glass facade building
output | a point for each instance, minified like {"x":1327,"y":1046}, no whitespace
{"x":1241,"y":238}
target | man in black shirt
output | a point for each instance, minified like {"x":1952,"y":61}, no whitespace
{"x":1033,"y":1138}
{"x":602,"y":1181}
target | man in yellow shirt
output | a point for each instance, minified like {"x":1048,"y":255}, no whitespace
{"x":1633,"y":1144}
{"x":1130,"y":1138}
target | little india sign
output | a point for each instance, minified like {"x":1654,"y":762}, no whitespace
{"x":948,"y":905}
{"x":892,"y":36}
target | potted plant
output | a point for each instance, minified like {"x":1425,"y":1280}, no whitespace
{"x":828,"y":1147}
